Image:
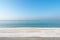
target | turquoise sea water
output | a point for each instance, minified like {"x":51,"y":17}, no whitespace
{"x":29,"y":23}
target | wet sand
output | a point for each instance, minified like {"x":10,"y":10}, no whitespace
{"x":29,"y":38}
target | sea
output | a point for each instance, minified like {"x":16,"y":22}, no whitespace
{"x":29,"y":23}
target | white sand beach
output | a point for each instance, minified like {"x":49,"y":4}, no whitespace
{"x":29,"y":32}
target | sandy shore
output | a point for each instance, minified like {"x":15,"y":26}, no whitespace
{"x":29,"y":32}
{"x":29,"y":38}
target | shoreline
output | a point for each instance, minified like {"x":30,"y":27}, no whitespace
{"x":29,"y":32}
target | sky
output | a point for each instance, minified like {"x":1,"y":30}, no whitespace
{"x":29,"y":9}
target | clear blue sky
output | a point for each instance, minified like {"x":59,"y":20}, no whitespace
{"x":29,"y":9}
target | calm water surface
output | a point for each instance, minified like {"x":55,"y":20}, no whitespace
{"x":29,"y":23}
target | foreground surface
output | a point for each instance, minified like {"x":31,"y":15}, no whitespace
{"x":29,"y":38}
